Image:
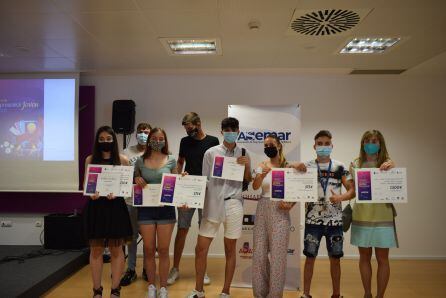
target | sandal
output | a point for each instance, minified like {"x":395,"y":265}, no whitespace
{"x":97,"y":291}
{"x":116,"y":292}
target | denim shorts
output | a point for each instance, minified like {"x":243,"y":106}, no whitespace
{"x":156,"y":215}
{"x":333,"y":236}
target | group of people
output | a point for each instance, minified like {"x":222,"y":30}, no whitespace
{"x":112,"y":223}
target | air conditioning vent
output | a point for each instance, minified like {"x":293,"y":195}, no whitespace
{"x":325,"y":22}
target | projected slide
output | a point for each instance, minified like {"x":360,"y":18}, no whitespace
{"x":37,"y":119}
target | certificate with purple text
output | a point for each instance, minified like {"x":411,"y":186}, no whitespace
{"x":177,"y":190}
{"x":224,"y":167}
{"x":376,"y":186}
{"x":290,"y":185}
{"x":147,"y":196}
{"x":107,"y":179}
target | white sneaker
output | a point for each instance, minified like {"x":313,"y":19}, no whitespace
{"x":163,"y":293}
{"x":151,"y":291}
{"x":206,"y":279}
{"x":174,"y":274}
{"x":195,"y":294}
{"x":224,"y":295}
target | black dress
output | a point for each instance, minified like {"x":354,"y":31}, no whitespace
{"x":107,"y":222}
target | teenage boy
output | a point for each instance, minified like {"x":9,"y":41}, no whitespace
{"x":192,"y":149}
{"x":223,"y":204}
{"x":132,"y":153}
{"x":324,"y":218}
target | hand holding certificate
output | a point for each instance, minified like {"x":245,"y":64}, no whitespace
{"x":376,"y":186}
{"x":227,"y":168}
{"x":178,"y":190}
{"x":147,"y":196}
{"x":290,"y":185}
{"x":107,"y":179}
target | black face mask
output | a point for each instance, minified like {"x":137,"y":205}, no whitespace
{"x":106,"y":146}
{"x":193,"y":133}
{"x":271,"y":151}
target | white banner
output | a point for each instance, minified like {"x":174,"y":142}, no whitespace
{"x":256,"y":122}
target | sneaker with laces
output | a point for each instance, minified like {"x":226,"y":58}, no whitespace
{"x":224,"y":295}
{"x":206,"y":279}
{"x":151,"y":291}
{"x":128,"y":278}
{"x":195,"y":294}
{"x":174,"y":274}
{"x":163,"y":293}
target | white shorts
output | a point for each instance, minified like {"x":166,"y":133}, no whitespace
{"x":232,"y":223}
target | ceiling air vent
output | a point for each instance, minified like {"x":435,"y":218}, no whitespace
{"x":325,"y":22}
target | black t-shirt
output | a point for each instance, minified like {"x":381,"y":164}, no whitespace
{"x":193,"y":150}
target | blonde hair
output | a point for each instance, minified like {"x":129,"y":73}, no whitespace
{"x":383,"y":155}
{"x":282,"y":159}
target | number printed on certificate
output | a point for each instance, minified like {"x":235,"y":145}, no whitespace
{"x":225,"y":167}
{"x":178,"y":190}
{"x":107,"y":179}
{"x":376,"y":186}
{"x":290,"y":185}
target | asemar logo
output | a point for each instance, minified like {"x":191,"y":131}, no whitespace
{"x":259,"y":136}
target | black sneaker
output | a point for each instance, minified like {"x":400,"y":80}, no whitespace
{"x":106,"y":258}
{"x":128,"y":278}
{"x":144,"y":275}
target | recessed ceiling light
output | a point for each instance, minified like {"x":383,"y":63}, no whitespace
{"x":369,"y":45}
{"x":192,"y":46}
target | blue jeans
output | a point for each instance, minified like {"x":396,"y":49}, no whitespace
{"x":333,"y":236}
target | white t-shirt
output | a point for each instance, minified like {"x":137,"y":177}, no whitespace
{"x":132,"y":154}
{"x":324,"y":212}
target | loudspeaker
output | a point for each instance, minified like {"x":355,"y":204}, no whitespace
{"x":123,"y":118}
{"x":63,"y":231}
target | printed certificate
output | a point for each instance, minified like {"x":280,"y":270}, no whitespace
{"x":107,"y":179}
{"x":376,"y":186}
{"x":290,"y":185}
{"x":227,"y":168}
{"x":147,"y":196}
{"x":177,"y":190}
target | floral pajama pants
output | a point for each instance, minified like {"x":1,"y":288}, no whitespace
{"x":271,"y":237}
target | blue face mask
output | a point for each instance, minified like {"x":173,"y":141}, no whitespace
{"x":230,"y":137}
{"x":371,"y":148}
{"x":141,"y":138}
{"x":323,"y":151}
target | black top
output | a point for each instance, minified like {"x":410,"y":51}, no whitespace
{"x":193,"y":150}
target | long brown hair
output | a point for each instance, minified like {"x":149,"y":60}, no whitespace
{"x":282,"y":159}
{"x":383,"y":155}
{"x":97,"y":154}
{"x":148,"y":151}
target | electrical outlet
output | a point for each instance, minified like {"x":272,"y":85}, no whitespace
{"x":6,"y":224}
{"x":38,"y":224}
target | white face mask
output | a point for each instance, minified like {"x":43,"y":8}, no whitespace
{"x":141,"y":138}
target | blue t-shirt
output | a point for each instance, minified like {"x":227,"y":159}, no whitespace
{"x":154,"y":176}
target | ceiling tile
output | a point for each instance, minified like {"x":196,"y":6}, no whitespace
{"x":95,"y":5}
{"x":185,"y":23}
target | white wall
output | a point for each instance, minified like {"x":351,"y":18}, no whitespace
{"x":408,"y":110}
